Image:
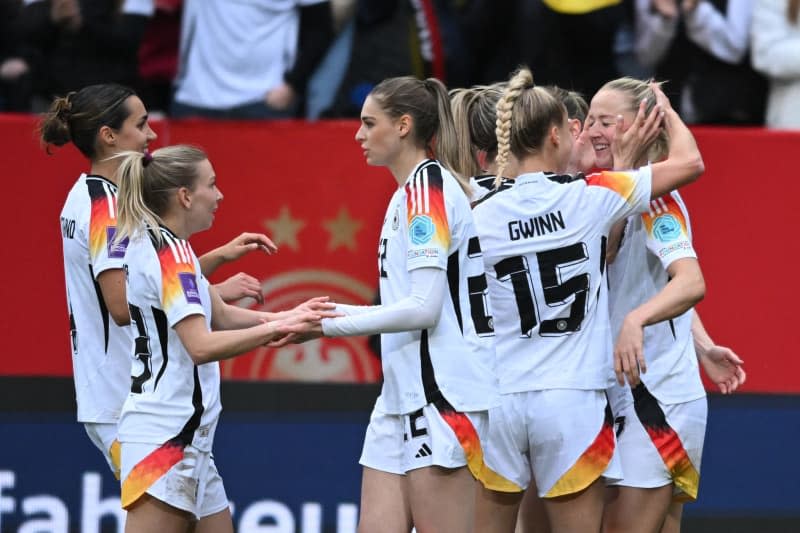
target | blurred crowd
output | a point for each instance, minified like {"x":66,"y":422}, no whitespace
{"x":732,"y":62}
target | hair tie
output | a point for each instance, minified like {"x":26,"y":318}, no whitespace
{"x":147,"y":158}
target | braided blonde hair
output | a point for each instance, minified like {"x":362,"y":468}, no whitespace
{"x":525,"y":113}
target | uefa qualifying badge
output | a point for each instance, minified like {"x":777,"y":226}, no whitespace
{"x":666,"y":228}
{"x":421,"y":229}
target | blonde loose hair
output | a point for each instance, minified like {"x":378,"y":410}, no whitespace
{"x":146,"y":183}
{"x":475,"y":115}
{"x":635,"y":91}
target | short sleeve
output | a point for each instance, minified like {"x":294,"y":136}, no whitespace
{"x":180,"y":288}
{"x":622,"y":193}
{"x":668,"y":231}
{"x":428,"y":225}
{"x":105,"y":253}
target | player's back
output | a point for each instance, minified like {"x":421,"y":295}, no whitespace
{"x":101,"y":367}
{"x":544,"y":246}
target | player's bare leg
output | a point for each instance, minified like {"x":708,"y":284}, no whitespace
{"x":384,"y":503}
{"x":442,"y":499}
{"x":150,"y":514}
{"x":496,"y":512}
{"x":220,"y":522}
{"x":532,"y":516}
{"x":672,"y":522}
{"x":636,"y":510}
{"x":582,"y":511}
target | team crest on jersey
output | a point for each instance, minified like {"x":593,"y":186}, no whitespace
{"x":116,"y":250}
{"x":189,"y":285}
{"x":421,"y":229}
{"x":666,"y":228}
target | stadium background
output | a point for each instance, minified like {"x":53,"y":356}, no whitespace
{"x":293,"y":423}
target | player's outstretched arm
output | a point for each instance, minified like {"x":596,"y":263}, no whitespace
{"x":236,"y":248}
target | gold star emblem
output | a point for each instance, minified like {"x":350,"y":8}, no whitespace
{"x":343,"y":230}
{"x":284,"y":229}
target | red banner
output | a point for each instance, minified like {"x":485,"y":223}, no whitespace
{"x":308,"y":188}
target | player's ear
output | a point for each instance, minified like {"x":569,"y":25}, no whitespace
{"x":404,"y":124}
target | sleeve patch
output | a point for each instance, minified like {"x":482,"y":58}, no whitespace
{"x":116,"y":250}
{"x":189,"y":286}
{"x":667,"y":228}
{"x":421,"y":229}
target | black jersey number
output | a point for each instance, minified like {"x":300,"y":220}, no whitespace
{"x":141,"y":350}
{"x":554,"y":290}
{"x":479,"y":293}
{"x":382,"y":257}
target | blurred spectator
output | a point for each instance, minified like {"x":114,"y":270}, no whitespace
{"x":327,"y":78}
{"x":83,"y":42}
{"x":576,"y":50}
{"x":423,"y":38}
{"x":158,"y":56}
{"x":776,"y":53}
{"x":498,"y":34}
{"x":15,"y":71}
{"x":249,"y":59}
{"x":700,"y":47}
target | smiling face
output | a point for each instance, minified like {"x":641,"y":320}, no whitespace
{"x":379,"y":134}
{"x":601,"y":123}
{"x":204,"y":196}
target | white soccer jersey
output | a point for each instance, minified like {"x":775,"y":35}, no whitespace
{"x":100,"y":348}
{"x":651,"y":242}
{"x":544,"y":251}
{"x":170,"y":397}
{"x":429,"y":224}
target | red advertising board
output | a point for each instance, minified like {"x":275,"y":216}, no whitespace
{"x":308,"y":188}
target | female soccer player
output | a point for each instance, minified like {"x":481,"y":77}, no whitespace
{"x":544,"y":252}
{"x":182,"y":328}
{"x":655,"y":280}
{"x":422,"y":446}
{"x":103,"y":120}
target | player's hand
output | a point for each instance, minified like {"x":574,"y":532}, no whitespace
{"x":240,"y":286}
{"x":298,"y":327}
{"x":582,"y":157}
{"x":629,"y":352}
{"x":632,"y":141}
{"x":246,"y":243}
{"x":320,"y":305}
{"x":724,"y":368}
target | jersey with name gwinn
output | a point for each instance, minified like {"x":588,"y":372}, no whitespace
{"x":429,"y":224}
{"x":650,"y":244}
{"x":544,"y":252}
{"x":169,"y":395}
{"x":100,"y":364}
